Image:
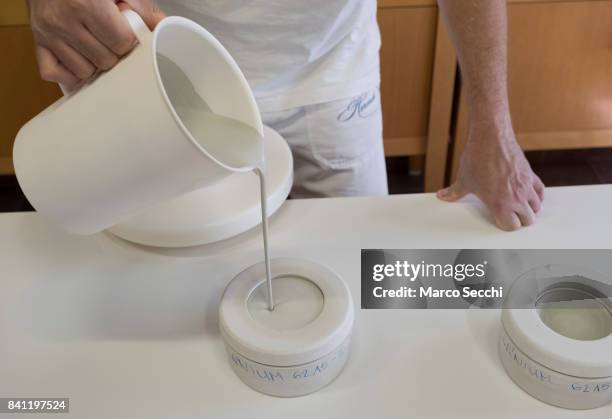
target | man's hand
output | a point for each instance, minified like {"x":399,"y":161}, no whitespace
{"x":75,"y":38}
{"x":494,"y":168}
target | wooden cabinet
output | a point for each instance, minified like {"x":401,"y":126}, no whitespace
{"x":560,"y":75}
{"x":418,"y":74}
{"x":407,"y":55}
{"x":23,"y":94}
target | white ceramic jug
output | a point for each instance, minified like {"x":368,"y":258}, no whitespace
{"x":173,"y":116}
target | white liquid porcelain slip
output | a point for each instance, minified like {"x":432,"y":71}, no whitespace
{"x":556,"y":339}
{"x":300,"y":346}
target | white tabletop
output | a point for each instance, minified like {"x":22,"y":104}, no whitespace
{"x":131,"y":332}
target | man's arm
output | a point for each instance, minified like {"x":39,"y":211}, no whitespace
{"x":493,"y":166}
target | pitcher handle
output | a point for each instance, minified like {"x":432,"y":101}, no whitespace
{"x":141,"y":31}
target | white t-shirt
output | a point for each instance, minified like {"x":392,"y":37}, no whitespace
{"x":294,"y":52}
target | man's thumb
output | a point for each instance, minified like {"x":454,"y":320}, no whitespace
{"x":453,"y":193}
{"x":148,"y":10}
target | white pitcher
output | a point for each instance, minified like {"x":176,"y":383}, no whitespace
{"x":168,"y":119}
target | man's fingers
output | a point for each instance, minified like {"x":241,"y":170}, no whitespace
{"x":52,"y":70}
{"x":507,"y":220}
{"x":73,"y":61}
{"x":539,"y":187}
{"x":526,"y":215}
{"x":92,"y":49}
{"x":111,"y":28}
{"x":452,"y":193}
{"x":535,"y":203}
{"x":147,"y":9}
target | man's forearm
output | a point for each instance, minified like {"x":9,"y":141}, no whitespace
{"x":479,"y":31}
{"x":493,"y":166}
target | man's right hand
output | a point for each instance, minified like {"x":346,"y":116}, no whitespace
{"x":75,"y":38}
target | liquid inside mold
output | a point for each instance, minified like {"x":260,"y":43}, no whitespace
{"x":575,"y":311}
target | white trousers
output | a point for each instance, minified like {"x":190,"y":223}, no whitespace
{"x":337,"y":146}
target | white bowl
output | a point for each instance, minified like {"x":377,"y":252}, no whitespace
{"x":218,"y":212}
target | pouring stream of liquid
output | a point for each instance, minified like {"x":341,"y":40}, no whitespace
{"x":226,"y":139}
{"x":264,"y":223}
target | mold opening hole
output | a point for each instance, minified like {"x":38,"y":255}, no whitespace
{"x":298,"y":302}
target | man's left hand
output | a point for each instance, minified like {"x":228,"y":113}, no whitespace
{"x":494,"y":168}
